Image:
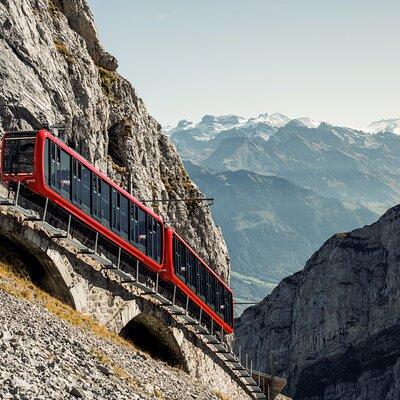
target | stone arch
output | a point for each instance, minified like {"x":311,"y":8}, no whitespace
{"x":150,"y":334}
{"x":41,"y":269}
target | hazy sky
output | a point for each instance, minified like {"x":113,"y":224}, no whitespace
{"x":336,"y":60}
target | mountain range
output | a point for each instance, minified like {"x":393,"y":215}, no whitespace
{"x":271,"y":225}
{"x":282,"y":186}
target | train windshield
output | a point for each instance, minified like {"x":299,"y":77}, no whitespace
{"x":18,"y":154}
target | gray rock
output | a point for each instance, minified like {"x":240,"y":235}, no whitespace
{"x":334,"y":327}
{"x":76,"y":392}
{"x":5,"y":336}
{"x":104,"y":370}
{"x":108,"y":62}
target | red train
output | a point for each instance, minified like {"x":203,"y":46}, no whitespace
{"x":53,"y":170}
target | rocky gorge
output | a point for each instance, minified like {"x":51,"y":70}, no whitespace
{"x":333,"y":327}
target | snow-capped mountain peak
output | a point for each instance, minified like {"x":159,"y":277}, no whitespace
{"x":220,"y":122}
{"x":308,"y":122}
{"x":275,"y":119}
{"x":388,"y":125}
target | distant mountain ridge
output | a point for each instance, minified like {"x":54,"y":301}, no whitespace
{"x":270,"y":172}
{"x":196,"y":141}
{"x":211,"y":125}
{"x":340,"y":162}
{"x":271,"y":225}
{"x":384,"y":125}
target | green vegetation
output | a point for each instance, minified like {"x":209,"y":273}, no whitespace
{"x":108,"y":78}
{"x":52,"y":9}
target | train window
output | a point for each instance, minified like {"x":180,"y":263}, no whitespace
{"x":199,"y":269}
{"x":54,"y":166}
{"x":60,"y":171}
{"x":76,"y":182}
{"x":96,"y":196}
{"x":175,"y":254}
{"x":115,"y":210}
{"x":65,"y":174}
{"x":219,"y":297}
{"x":124,"y":217}
{"x":212,"y":291}
{"x":193,"y":273}
{"x":142,"y":237}
{"x":208,"y":288}
{"x":189,"y":268}
{"x":46,"y":160}
{"x":150,"y":234}
{"x":19,"y":155}
{"x":85,"y":189}
{"x":119,"y":213}
{"x":228,"y":307}
{"x":134,"y":221}
{"x":201,"y":281}
{"x":159,"y":242}
{"x":179,"y":259}
{"x":153,"y":239}
{"x":196,"y":275}
{"x":105,"y":202}
{"x":187,"y":265}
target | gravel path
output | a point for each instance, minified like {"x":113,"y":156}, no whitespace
{"x":42,"y":357}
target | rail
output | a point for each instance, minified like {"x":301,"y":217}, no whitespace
{"x":65,"y":226}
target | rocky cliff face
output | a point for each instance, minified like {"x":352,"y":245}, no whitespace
{"x":334,"y":327}
{"x":53,"y":70}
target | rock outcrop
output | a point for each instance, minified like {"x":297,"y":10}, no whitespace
{"x":334,"y":327}
{"x":53,"y":70}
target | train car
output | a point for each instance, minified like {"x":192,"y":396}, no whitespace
{"x":185,"y":269}
{"x":51,"y":169}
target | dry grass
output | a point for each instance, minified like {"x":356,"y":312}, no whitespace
{"x":62,"y":49}
{"x":14,"y":280}
{"x":220,"y":395}
{"x":158,"y":394}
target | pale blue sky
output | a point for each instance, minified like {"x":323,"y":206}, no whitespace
{"x":337,"y":60}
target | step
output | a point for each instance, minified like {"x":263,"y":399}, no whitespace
{"x":77,"y":244}
{"x":259,"y":395}
{"x":6,"y":202}
{"x":101,"y":260}
{"x":28,"y":213}
{"x":229,"y":357}
{"x":50,"y":228}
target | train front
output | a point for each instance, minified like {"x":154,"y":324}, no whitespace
{"x":20,"y":156}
